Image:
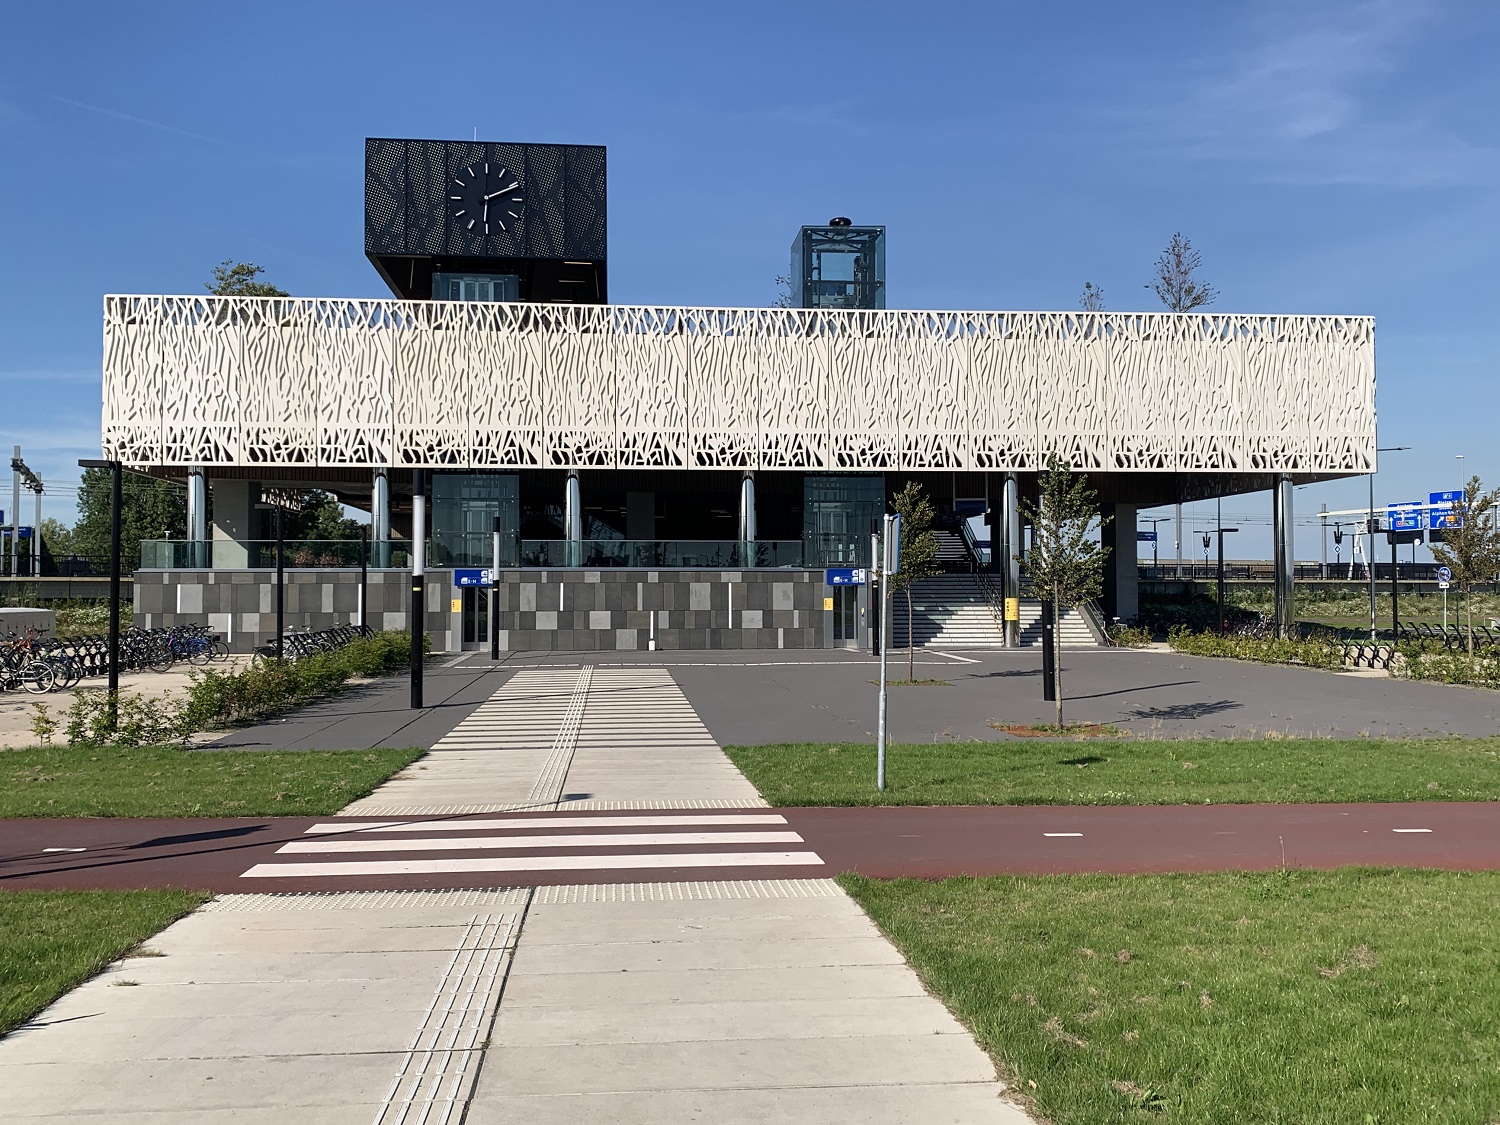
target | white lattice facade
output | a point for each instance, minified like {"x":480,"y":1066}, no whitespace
{"x":344,"y":383}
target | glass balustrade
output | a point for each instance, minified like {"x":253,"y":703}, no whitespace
{"x":476,"y":551}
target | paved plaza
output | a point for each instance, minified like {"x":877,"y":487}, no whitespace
{"x":754,"y":698}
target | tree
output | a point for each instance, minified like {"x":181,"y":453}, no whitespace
{"x":784,"y":298}
{"x":149,"y":509}
{"x":1471,"y":550}
{"x":1092,"y":298}
{"x":1175,"y":284}
{"x":57,"y":537}
{"x":320,"y":519}
{"x":237,"y":279}
{"x":918,"y":553}
{"x":1066,"y":561}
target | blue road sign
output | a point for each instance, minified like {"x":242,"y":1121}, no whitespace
{"x":1145,"y":537}
{"x":472,"y":577}
{"x":1404,"y":517}
{"x":1445,"y":578}
{"x":1440,"y":514}
{"x":845,"y":576}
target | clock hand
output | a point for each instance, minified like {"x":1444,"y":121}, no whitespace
{"x":502,"y":191}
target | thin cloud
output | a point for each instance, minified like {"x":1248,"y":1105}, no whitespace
{"x":146,"y":121}
{"x":1303,"y":106}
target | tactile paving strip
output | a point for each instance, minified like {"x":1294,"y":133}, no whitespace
{"x":689,"y":892}
{"x":366,"y":900}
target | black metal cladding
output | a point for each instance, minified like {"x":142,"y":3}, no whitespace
{"x":406,"y":200}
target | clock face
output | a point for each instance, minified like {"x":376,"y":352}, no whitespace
{"x":484,"y":198}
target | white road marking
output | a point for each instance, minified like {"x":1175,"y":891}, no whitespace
{"x":550,"y":822}
{"x":1062,"y":833}
{"x":1411,"y":829}
{"x":578,"y":840}
{"x":65,"y":849}
{"x":532,"y":863}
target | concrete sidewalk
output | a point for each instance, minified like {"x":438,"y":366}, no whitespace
{"x":726,"y":1001}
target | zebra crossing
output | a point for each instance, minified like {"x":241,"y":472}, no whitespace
{"x":545,"y":847}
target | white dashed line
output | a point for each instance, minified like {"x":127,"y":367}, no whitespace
{"x":1062,"y":833}
{"x":65,"y":849}
{"x":1411,"y":829}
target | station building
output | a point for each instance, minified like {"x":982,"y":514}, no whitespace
{"x":670,"y":476}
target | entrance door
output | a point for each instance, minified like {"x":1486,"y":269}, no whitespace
{"x":848,"y":620}
{"x":476,"y":616}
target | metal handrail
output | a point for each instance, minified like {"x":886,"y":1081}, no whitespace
{"x":993,"y":597}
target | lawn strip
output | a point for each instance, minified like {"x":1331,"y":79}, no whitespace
{"x":51,"y":941}
{"x":1117,"y":772}
{"x":165,"y":782}
{"x":1323,"y":998}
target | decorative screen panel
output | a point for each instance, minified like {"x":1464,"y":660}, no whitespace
{"x":270,"y":381}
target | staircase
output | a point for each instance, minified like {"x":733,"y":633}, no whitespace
{"x":950,"y":611}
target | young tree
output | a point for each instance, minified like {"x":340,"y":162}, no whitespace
{"x":1175,"y":284}
{"x":918,"y":552}
{"x":1092,"y":298}
{"x":1471,"y":550}
{"x":237,"y":279}
{"x":1066,"y":561}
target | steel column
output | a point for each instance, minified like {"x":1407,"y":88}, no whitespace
{"x":1284,"y":554}
{"x":380,"y":518}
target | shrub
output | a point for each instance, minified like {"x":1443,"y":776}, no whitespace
{"x":1315,"y":652}
{"x":1432,"y":660}
{"x":1129,"y":636}
{"x":138,"y":720}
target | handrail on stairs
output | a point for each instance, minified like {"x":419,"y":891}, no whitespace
{"x":992,"y":595}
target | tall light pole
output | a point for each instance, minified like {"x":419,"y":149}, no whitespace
{"x":1370,"y":528}
{"x":1153,"y":523}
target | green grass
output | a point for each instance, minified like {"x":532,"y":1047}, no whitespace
{"x":152,"y":781}
{"x":1148,"y":772}
{"x":1353,"y":997}
{"x":51,"y":941}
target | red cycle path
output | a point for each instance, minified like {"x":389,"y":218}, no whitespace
{"x":923,"y":842}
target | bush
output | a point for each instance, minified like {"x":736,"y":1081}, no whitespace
{"x":1315,"y":652}
{"x":1197,"y":614}
{"x":1129,"y":636}
{"x":1432,"y":660}
{"x":137,"y":720}
{"x":219,"y":699}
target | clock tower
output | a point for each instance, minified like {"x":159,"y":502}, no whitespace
{"x":487,"y":221}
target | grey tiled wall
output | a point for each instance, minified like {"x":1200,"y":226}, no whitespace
{"x":578,"y":610}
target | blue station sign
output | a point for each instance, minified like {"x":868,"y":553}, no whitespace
{"x":845,"y":576}
{"x":1145,"y":537}
{"x":1404,"y":517}
{"x":1440,"y":515}
{"x":472,"y":577}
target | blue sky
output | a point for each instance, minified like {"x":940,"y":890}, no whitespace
{"x":1323,"y":158}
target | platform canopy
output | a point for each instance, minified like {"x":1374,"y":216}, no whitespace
{"x":284,"y":384}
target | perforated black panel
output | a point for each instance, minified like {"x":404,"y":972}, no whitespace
{"x":406,"y":200}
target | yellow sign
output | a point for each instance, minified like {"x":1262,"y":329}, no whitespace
{"x":1012,"y":609}
{"x":827,"y":603}
{"x":458,"y":605}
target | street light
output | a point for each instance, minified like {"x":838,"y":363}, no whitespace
{"x":1221,"y":531}
{"x":1370,"y":528}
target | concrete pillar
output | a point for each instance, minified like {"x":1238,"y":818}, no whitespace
{"x":234,"y":518}
{"x":197,"y":517}
{"x":573,"y":520}
{"x":1284,"y":550}
{"x":380,"y":518}
{"x":1121,"y":594}
{"x":1011,"y":514}
{"x":747,"y":508}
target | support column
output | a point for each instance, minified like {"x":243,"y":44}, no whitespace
{"x":380,"y":517}
{"x":1011,"y":513}
{"x":197,"y":517}
{"x":234,"y":515}
{"x":1285,"y":557}
{"x":1177,"y":533}
{"x":1121,"y":594}
{"x":15,"y":513}
{"x":573,"y":520}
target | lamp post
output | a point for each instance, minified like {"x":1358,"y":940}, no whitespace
{"x":1222,"y":531}
{"x":117,"y":472}
{"x":1153,"y":523}
{"x":1371,"y":528}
